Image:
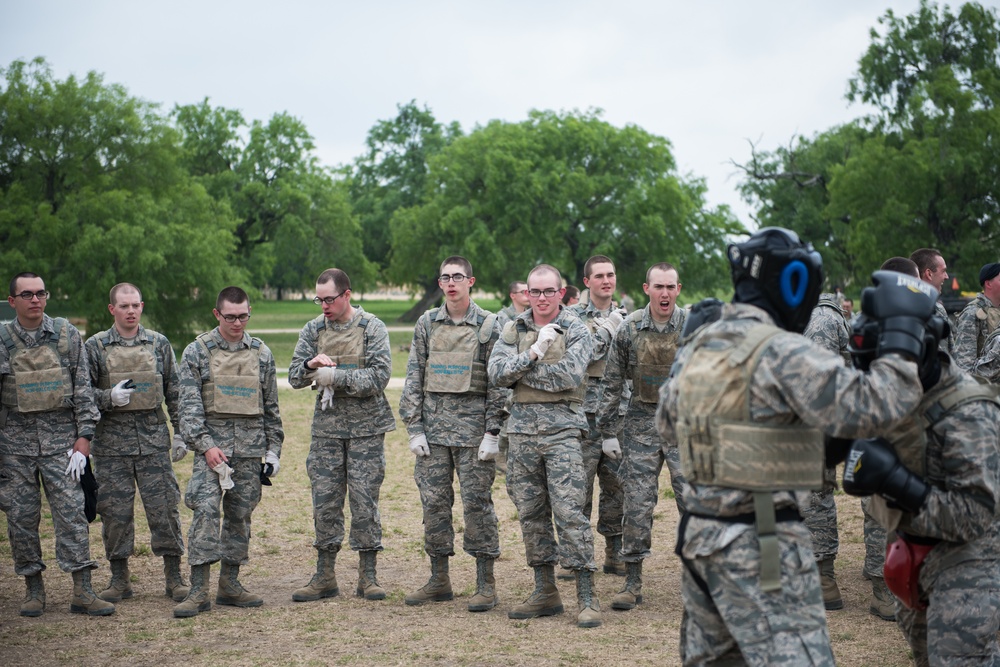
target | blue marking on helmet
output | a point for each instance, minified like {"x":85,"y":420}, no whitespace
{"x":794,"y":269}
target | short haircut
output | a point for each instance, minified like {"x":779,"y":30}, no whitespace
{"x":23,"y":274}
{"x":461,"y":261}
{"x":849,"y":300}
{"x":572,"y":292}
{"x":596,"y":259}
{"x":901,"y":265}
{"x":924,"y":258}
{"x":232,"y":294}
{"x":512,"y":288}
{"x":545,"y":268}
{"x":122,"y":287}
{"x":340,"y":281}
{"x":660,"y":266}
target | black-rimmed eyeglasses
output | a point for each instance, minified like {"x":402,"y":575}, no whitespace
{"x":328,"y":300}
{"x":231,"y":319}
{"x":41,"y":295}
{"x":547,"y":293}
{"x":455,"y":278}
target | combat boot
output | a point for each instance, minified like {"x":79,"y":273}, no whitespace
{"x":324,"y":582}
{"x":437,"y":588}
{"x":84,"y":600}
{"x":120,"y":587}
{"x":34,"y":597}
{"x":883,"y":603}
{"x":613,"y":563}
{"x":368,"y":586}
{"x":175,"y":589}
{"x":544,"y":600}
{"x":231,"y":591}
{"x":197,"y":598}
{"x":486,"y":595}
{"x":832,"y":599}
{"x":586,"y":600}
{"x":628,"y":597}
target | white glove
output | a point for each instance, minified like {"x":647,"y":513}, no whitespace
{"x":120,"y":395}
{"x":489,"y":448}
{"x":77,"y":462}
{"x":611,"y":448}
{"x":225,"y":475}
{"x":419,"y":446}
{"x":272,"y":459}
{"x":179,"y":450}
{"x":611,"y":322}
{"x":324,"y":376}
{"x":546,"y":335}
{"x":326,"y":400}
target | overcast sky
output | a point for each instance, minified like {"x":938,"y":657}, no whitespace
{"x":710,"y":76}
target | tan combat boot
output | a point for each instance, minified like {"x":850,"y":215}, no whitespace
{"x":883,"y":603}
{"x":119,"y":588}
{"x":628,"y":597}
{"x":197,"y":598}
{"x":34,"y":597}
{"x":544,"y":600}
{"x":84,"y":600}
{"x":586,"y":599}
{"x":231,"y":591}
{"x":175,"y":589}
{"x":613,"y":563}
{"x":324,"y":582}
{"x":486,"y":595}
{"x":437,"y":588}
{"x":832,"y":599}
{"x":368,"y":586}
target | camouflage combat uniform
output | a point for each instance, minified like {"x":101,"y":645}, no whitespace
{"x":975,"y":324}
{"x":347,"y":453}
{"x":132,"y":444}
{"x":545,"y":476}
{"x":453,"y":421}
{"x":987,"y":366}
{"x":947,"y":343}
{"x":243,"y":439}
{"x":643,"y":450}
{"x":33,"y":448}
{"x":794,"y":383}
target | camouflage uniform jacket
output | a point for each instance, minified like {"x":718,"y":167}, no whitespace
{"x":241,"y":437}
{"x":988,"y":364}
{"x":507,"y":367}
{"x":364,"y":410}
{"x":972,"y":330}
{"x":131,"y":433}
{"x":455,"y":420}
{"x":58,"y":429}
{"x":946,"y":344}
{"x":797,"y":382}
{"x":602,"y":347}
{"x":828,"y":327}
{"x":622,"y":362}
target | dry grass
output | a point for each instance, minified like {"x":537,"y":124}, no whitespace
{"x":347,"y":630}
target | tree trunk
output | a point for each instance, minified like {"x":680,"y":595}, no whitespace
{"x":431,"y":295}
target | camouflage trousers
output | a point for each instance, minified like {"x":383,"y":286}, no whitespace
{"x":640,"y":473}
{"x":434,"y":476}
{"x":820,"y":515}
{"x":340,"y":468}
{"x":153,"y":474}
{"x":206,"y":544}
{"x":596,"y":465}
{"x":959,"y":626}
{"x":732,"y":621}
{"x":21,"y":480}
{"x":874,"y":543}
{"x":545,"y":480}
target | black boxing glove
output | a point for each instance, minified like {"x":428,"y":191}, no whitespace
{"x":902,"y":305}
{"x":873,"y":467}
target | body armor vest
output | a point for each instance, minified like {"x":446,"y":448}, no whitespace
{"x":40,"y":381}
{"x":346,"y":347}
{"x":136,"y":362}
{"x":595,"y":369}
{"x":457,"y":356}
{"x":233,"y":387}
{"x":525,"y":394}
{"x":655,"y":354}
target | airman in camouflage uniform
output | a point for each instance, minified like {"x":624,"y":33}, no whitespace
{"x":46,"y":408}
{"x":978,"y":319}
{"x":453,"y":416}
{"x":931,"y":268}
{"x":230,"y":417}
{"x":132,"y":446}
{"x":602,"y":319}
{"x":745,"y":399}
{"x":344,"y":353}
{"x":543,"y":355}
{"x":642,"y":351}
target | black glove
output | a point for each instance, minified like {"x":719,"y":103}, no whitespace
{"x":89,"y":484}
{"x":873,"y":467}
{"x":266,"y":469}
{"x":902,"y":305}
{"x":836,"y":450}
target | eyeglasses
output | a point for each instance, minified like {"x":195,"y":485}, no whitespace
{"x":319,"y":301}
{"x":232,"y":318}
{"x":455,"y":278}
{"x":547,"y":293}
{"x":41,"y":295}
